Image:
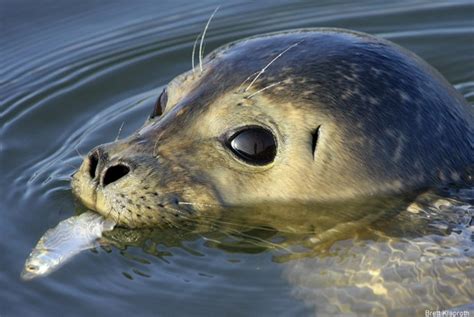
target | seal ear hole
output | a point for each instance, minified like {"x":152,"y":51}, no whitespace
{"x":314,"y":141}
{"x":160,"y":104}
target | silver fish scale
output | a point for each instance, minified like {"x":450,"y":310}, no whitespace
{"x":68,"y":238}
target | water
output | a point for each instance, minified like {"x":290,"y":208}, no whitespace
{"x":73,"y":71}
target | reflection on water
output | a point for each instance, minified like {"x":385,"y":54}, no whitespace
{"x":398,"y":259}
{"x":404,"y":274}
{"x":73,"y":72}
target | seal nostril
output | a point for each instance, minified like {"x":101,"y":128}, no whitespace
{"x":114,"y":173}
{"x":93,"y":162}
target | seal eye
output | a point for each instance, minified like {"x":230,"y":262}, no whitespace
{"x":254,"y":145}
{"x":160,"y":104}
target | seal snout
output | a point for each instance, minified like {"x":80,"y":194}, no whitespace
{"x":103,"y":180}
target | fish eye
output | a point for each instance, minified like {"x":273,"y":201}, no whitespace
{"x":160,"y":104}
{"x":253,"y":145}
{"x":32,"y":267}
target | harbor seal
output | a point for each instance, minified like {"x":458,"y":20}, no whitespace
{"x":304,"y":116}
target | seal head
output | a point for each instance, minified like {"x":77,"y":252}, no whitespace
{"x":304,"y":116}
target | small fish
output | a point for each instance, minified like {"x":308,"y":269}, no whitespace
{"x":68,"y":238}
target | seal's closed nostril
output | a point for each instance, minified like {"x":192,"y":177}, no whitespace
{"x":114,"y":173}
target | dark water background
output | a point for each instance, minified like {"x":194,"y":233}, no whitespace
{"x":73,"y":71}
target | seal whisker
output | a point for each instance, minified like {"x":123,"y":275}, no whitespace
{"x":113,"y":210}
{"x":79,"y":153}
{"x":228,"y":223}
{"x":257,"y":239}
{"x":70,"y":165}
{"x":192,"y":219}
{"x":203,"y":218}
{"x":201,"y":53}
{"x":209,"y":219}
{"x":181,"y":215}
{"x":213,"y":219}
{"x":198,"y":204}
{"x":271,"y":62}
{"x":194,"y":51}
{"x":119,"y":131}
{"x":246,"y":226}
{"x":173,"y":209}
{"x":263,"y":89}
{"x":246,"y":80}
{"x":200,"y":221}
{"x":210,"y":239}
